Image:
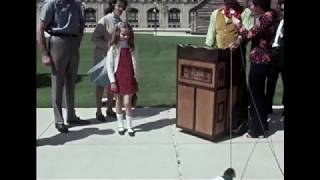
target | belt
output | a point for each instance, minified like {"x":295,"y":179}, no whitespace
{"x":63,"y":35}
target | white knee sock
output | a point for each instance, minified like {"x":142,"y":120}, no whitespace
{"x":119,"y":119}
{"x":129,"y":123}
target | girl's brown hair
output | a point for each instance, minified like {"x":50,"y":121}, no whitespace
{"x":116,"y":35}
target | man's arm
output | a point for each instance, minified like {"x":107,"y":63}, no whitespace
{"x":247,"y":19}
{"x":81,"y":24}
{"x":46,"y":59}
{"x":275,"y":43}
{"x":211,"y":34}
{"x":248,"y":22}
{"x":46,"y":17}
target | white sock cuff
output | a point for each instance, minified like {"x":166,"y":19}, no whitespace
{"x":119,"y":116}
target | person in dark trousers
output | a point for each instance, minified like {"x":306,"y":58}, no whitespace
{"x":101,"y":37}
{"x":262,"y":36}
{"x":277,"y":66}
{"x":63,"y":21}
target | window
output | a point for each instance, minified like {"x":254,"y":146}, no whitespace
{"x":174,"y":15}
{"x":153,"y":15}
{"x":132,"y":15}
{"x":90,"y":15}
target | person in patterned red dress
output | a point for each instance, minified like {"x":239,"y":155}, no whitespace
{"x":261,"y":35}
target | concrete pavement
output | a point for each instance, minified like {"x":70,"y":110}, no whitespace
{"x":158,"y":151}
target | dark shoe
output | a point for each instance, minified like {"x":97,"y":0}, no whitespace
{"x":121,"y":131}
{"x":62,"y":128}
{"x":241,"y":129}
{"x":77,"y":120}
{"x":131,"y":132}
{"x":248,"y":135}
{"x":100,"y":117}
{"x":111,"y":113}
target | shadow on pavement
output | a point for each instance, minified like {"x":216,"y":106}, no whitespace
{"x":72,"y":135}
{"x":138,"y":112}
{"x":93,"y":121}
{"x":148,"y":112}
{"x":154,"y":125}
{"x":276,"y":123}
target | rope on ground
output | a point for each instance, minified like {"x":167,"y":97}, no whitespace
{"x":247,"y":162}
{"x":45,"y":129}
{"x":259,"y":118}
{"x":230,"y":111}
{"x":175,"y":146}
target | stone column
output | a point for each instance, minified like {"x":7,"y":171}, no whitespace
{"x":142,"y":16}
{"x":163,"y":16}
{"x":184,"y":17}
{"x":99,"y":11}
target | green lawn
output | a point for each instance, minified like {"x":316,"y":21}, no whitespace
{"x":157,"y":72}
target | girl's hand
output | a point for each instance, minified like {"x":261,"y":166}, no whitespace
{"x":114,"y":87}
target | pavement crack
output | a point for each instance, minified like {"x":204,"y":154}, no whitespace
{"x":175,"y":147}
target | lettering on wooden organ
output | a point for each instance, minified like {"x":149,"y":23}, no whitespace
{"x":197,"y":73}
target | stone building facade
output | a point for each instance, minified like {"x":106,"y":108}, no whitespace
{"x":161,"y":15}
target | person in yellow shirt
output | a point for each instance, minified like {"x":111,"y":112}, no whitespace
{"x":221,"y":33}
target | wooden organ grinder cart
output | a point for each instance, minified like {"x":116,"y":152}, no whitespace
{"x":203,"y":89}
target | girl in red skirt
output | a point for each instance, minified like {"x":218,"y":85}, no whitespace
{"x":121,"y":67}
